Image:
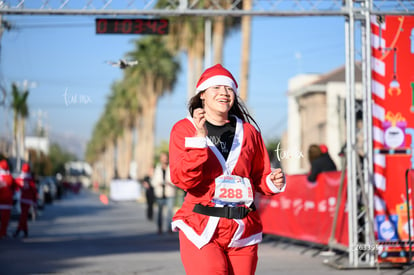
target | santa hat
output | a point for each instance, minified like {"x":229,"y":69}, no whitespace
{"x":25,"y":168}
{"x":324,"y":148}
{"x":216,"y":75}
{"x":4,"y":165}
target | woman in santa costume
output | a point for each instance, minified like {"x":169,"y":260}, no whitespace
{"x":7,"y":186}
{"x":28,"y":198}
{"x":221,"y":161}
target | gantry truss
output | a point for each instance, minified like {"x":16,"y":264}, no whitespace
{"x":195,"y":7}
{"x":357,"y":15}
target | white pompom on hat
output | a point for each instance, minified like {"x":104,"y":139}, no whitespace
{"x":216,"y":75}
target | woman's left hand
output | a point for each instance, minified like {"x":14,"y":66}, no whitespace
{"x":277,"y":178}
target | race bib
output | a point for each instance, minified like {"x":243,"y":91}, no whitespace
{"x":232,"y":189}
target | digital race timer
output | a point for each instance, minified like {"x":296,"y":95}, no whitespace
{"x":131,"y":26}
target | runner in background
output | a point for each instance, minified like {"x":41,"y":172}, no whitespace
{"x":28,"y":199}
{"x":7,"y":187}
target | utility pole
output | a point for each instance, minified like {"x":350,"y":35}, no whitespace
{"x":4,"y":25}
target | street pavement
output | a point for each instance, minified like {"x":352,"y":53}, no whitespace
{"x":80,"y":234}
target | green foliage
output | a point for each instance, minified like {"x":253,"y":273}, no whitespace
{"x":138,"y":91}
{"x":51,"y":164}
{"x":58,"y":156}
{"x":19,"y":102}
{"x":20,"y":109}
{"x":40,"y":163}
{"x":272,"y":144}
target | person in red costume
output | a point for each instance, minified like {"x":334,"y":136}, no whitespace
{"x":220,"y":160}
{"x":7,"y":187}
{"x":28,"y":198}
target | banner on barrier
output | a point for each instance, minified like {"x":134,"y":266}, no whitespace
{"x":305,"y":211}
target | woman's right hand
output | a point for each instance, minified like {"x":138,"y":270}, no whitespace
{"x":200,"y":122}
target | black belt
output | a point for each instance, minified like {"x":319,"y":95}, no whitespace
{"x":224,"y":212}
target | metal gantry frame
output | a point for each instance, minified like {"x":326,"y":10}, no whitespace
{"x":357,"y":14}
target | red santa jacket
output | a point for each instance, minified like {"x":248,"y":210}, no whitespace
{"x":7,"y":186}
{"x":195,"y":163}
{"x":28,"y":188}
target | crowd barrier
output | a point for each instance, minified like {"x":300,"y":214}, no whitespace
{"x":124,"y":190}
{"x":306,"y":210}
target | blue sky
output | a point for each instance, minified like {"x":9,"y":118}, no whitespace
{"x":63,"y":55}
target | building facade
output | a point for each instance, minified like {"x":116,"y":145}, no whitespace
{"x":316,"y":115}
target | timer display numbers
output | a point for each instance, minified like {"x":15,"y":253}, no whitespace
{"x":131,"y":26}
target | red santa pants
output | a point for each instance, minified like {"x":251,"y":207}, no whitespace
{"x":5,"y":218}
{"x":24,"y":215}
{"x":215,"y":258}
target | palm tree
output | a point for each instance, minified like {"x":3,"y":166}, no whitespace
{"x":186,"y":34}
{"x":112,"y":136}
{"x":113,"y":125}
{"x":156,"y":75}
{"x":20,"y":113}
{"x":102,"y":147}
{"x":94,"y":154}
{"x":126,"y":104}
{"x":222,"y":25}
{"x":134,"y":113}
{"x":144,"y":83}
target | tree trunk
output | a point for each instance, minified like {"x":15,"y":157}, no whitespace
{"x":105,"y":166}
{"x":109,"y":162}
{"x":21,"y":135}
{"x":97,"y":174}
{"x":245,"y":54}
{"x":15,"y":135}
{"x":199,"y":55}
{"x":119,"y":157}
{"x":191,"y":75}
{"x":218,"y":39}
{"x":149,"y":137}
{"x":128,"y":146}
{"x":140,"y":144}
{"x":195,"y":57}
{"x":142,"y":152}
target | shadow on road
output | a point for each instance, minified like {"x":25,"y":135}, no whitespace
{"x":80,"y":230}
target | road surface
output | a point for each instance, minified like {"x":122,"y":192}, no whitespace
{"x":81,"y":235}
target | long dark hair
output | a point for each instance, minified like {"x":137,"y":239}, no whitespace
{"x":238,"y":109}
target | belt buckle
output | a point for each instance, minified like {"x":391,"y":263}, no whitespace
{"x":239,"y":213}
{"x":234,"y":213}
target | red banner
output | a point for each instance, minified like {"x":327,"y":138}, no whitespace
{"x":305,"y":211}
{"x":393,"y":131}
